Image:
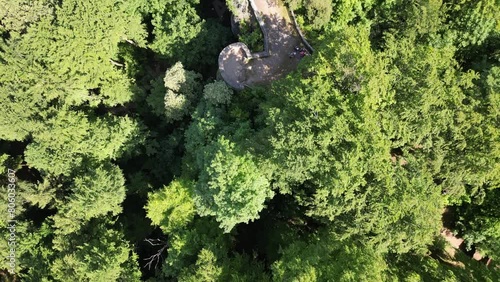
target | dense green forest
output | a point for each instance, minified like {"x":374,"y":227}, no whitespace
{"x":126,"y":158}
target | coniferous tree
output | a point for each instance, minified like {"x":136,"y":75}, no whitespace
{"x":71,"y":138}
{"x":323,"y":259}
{"x":97,"y":192}
{"x":95,"y":253}
{"x":473,"y":21}
{"x":16,"y":16}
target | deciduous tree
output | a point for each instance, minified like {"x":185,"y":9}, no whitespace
{"x":217,"y":92}
{"x":230,"y":186}
{"x":179,"y":94}
{"x":172,"y":208}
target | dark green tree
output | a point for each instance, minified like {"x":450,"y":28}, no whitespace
{"x":209,"y":267}
{"x":97,"y":192}
{"x":217,"y":92}
{"x":95,"y":253}
{"x":181,"y":35}
{"x":473,"y":21}
{"x":479,"y":224}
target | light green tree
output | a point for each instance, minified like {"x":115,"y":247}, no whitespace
{"x":334,"y":14}
{"x":85,"y":47}
{"x":230,"y":186}
{"x":324,"y":259}
{"x":71,"y":138}
{"x":178,"y":95}
{"x":172,"y":208}
{"x":205,"y":269}
{"x":175,"y":24}
{"x":334,"y":148}
{"x":68,"y":56}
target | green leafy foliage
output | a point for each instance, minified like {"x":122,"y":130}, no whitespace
{"x":206,"y":268}
{"x":94,"y":194}
{"x":16,"y":16}
{"x":318,"y":14}
{"x":411,"y":267}
{"x":181,"y":35}
{"x":58,"y":150}
{"x":121,"y":134}
{"x":473,"y":21}
{"x":330,"y":143}
{"x":252,"y":36}
{"x":185,"y":244}
{"x":64,"y":57}
{"x":480,"y":224}
{"x":230,"y":186}
{"x":182,"y":89}
{"x":217,"y":92}
{"x":172,"y":208}
{"x":175,"y":25}
{"x":209,"y":267}
{"x":324,"y":259}
{"x":96,"y":253}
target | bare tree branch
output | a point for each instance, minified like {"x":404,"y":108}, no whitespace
{"x":130,"y":41}
{"x":155,"y":242}
{"x":158,"y":256}
{"x":116,"y":63}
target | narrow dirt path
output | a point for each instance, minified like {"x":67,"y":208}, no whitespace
{"x":239,"y":69}
{"x":454,"y":241}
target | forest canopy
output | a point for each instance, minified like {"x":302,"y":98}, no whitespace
{"x":127,"y":157}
